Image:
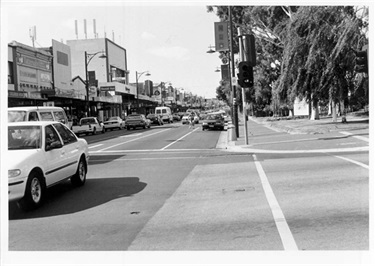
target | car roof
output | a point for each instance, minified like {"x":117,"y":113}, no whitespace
{"x":32,"y":123}
{"x":31,"y":108}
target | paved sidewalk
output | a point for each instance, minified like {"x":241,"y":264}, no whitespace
{"x":298,"y":130}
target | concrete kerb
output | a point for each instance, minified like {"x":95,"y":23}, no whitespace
{"x":231,"y":146}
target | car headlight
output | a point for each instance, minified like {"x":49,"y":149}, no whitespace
{"x":204,"y":123}
{"x":14,"y":173}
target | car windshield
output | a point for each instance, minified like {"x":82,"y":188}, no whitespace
{"x":16,"y":116}
{"x":24,"y":137}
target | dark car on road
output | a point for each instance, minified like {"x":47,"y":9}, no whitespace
{"x":155,"y":119}
{"x":137,"y":120}
{"x":213,"y":121}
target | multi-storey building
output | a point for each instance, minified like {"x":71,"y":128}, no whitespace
{"x":85,"y":77}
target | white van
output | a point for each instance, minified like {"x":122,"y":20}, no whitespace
{"x":165,"y":113}
{"x":37,"y":113}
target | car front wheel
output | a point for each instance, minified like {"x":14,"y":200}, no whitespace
{"x":79,"y":177}
{"x":34,"y":193}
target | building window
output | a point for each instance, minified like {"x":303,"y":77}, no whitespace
{"x":62,"y":58}
{"x":10,"y":73}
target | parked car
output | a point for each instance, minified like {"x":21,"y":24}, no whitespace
{"x":114,"y":122}
{"x":155,"y":119}
{"x":213,"y":121}
{"x":42,"y":154}
{"x":88,"y":125}
{"x":176,"y":117}
{"x":137,"y":120}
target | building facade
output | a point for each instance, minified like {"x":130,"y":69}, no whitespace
{"x":56,"y":76}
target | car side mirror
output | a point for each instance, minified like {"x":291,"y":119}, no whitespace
{"x":54,"y":145}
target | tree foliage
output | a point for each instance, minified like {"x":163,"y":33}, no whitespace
{"x":304,"y":51}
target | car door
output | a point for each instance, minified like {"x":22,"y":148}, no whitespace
{"x":71,"y":147}
{"x":56,"y":159}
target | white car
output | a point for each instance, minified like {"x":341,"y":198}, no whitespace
{"x":186,"y":119}
{"x":114,"y":122}
{"x":42,"y":154}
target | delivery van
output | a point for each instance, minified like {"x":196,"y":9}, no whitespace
{"x":165,"y":113}
{"x":37,"y":113}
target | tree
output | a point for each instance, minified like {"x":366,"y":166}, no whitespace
{"x":314,"y":45}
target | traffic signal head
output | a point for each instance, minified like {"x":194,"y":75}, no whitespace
{"x":245,"y":74}
{"x":361,"y":63}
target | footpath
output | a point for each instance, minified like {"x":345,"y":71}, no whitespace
{"x":264,"y":133}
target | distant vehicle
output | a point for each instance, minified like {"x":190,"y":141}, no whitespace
{"x":176,"y":117}
{"x":114,"y":122}
{"x":165,"y":113}
{"x":88,"y":125}
{"x":37,"y":113}
{"x":185,"y":119}
{"x":137,"y":120}
{"x":155,"y":119}
{"x":213,"y":121}
{"x":42,"y":154}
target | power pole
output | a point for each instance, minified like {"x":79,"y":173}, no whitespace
{"x":235,"y":107}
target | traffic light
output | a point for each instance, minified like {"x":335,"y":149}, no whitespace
{"x":245,"y":74}
{"x":361,"y":63}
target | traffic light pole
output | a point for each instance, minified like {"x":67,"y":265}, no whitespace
{"x":242,"y":58}
{"x":234,"y":109}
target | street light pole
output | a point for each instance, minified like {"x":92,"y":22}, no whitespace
{"x":137,"y":76}
{"x":88,"y":58}
{"x":235,"y":111}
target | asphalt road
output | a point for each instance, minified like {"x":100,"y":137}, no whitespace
{"x":174,"y":188}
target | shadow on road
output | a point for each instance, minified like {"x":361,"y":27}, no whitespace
{"x":66,"y":199}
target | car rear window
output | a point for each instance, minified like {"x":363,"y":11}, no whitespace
{"x":16,"y":116}
{"x":134,"y":117}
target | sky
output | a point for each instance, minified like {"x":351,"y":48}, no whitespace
{"x":168,"y":39}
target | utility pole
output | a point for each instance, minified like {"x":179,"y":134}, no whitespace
{"x":234,"y":111}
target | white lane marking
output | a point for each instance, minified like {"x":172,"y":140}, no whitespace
{"x":145,"y":159}
{"x":278,"y":216}
{"x":354,"y":136}
{"x":243,"y":148}
{"x":95,"y":146}
{"x":170,"y":144}
{"x":145,"y":136}
{"x":131,"y":135}
{"x":352,"y":161}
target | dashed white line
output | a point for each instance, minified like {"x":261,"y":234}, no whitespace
{"x":145,"y":136}
{"x":178,"y":140}
{"x":282,"y":226}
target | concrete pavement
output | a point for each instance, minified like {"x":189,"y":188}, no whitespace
{"x":306,"y":136}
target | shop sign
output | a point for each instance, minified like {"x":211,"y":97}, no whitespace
{"x":107,"y":88}
{"x":45,"y":77}
{"x":33,"y":62}
{"x":17,"y":94}
{"x":35,"y":95}
{"x":28,"y":75}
